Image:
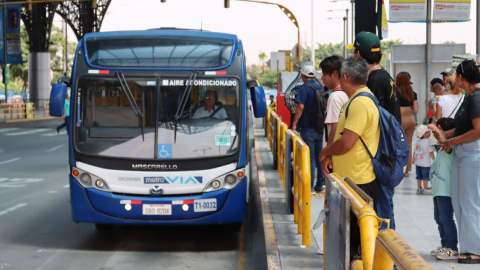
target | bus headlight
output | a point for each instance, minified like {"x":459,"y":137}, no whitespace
{"x":216,"y":184}
{"x":230,"y":179}
{"x":226,"y":181}
{"x":86,"y":179}
{"x":101,"y":184}
{"x":89,"y":180}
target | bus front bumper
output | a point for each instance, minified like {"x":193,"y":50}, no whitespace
{"x":95,"y":206}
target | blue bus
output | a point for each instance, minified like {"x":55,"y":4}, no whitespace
{"x":158,"y":128}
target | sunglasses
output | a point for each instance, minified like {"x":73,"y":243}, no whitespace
{"x":209,"y":97}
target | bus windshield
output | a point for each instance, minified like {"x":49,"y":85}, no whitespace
{"x":204,"y":126}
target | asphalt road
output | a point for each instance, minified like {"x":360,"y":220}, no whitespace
{"x":37,"y":232}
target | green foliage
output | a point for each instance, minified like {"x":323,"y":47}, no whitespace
{"x":57,"y":41}
{"x":386,"y":47}
{"x":269,"y":79}
{"x":19,"y":73}
{"x":253,"y":73}
{"x":323,"y":51}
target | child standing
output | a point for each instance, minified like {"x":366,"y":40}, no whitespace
{"x":422,"y":158}
{"x":440,"y":174}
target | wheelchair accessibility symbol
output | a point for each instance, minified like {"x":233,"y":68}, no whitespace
{"x":164,"y":151}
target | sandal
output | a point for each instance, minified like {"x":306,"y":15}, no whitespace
{"x":468,"y":258}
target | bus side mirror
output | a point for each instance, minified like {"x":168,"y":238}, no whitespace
{"x":258,"y":101}
{"x":65,"y":80}
{"x":57,"y":99}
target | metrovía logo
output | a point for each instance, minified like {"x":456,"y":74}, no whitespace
{"x":173,"y":180}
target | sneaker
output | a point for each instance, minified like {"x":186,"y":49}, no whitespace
{"x":427,"y":191}
{"x":313,"y":192}
{"x":447,"y":254}
{"x":319,"y":189}
{"x":434,"y":252}
{"x":419,"y":191}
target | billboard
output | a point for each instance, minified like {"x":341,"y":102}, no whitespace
{"x":451,"y":10}
{"x":13,"y":44}
{"x":408,"y":10}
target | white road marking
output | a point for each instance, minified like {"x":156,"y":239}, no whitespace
{"x":55,"y":148}
{"x":31,"y":131}
{"x":63,"y":132}
{"x":17,"y":182}
{"x":7,"y":129}
{"x":12,"y":209}
{"x":66,"y":186}
{"x":10,"y":160}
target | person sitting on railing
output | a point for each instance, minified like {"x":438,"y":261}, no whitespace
{"x":346,"y":155}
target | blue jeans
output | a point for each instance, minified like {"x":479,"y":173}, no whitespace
{"x":466,"y":195}
{"x":384,"y":205}
{"x":314,"y":140}
{"x":443,"y":213}
{"x":64,"y":125}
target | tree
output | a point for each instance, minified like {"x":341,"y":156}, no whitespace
{"x":19,"y":73}
{"x":323,"y":51}
{"x":269,"y":79}
{"x":56,"y":50}
{"x":253,"y":73}
{"x":386,"y":47}
{"x":262,"y":57}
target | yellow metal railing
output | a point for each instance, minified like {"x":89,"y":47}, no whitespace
{"x":281,"y":131}
{"x":46,"y":108}
{"x":301,"y":190}
{"x":390,"y":246}
{"x":10,"y":111}
{"x":272,"y":133}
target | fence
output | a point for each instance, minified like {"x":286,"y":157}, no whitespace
{"x":301,"y":190}
{"x":380,"y":249}
{"x":11,"y":111}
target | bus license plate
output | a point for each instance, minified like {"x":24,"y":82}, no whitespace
{"x":157,"y":210}
{"x":205,"y":205}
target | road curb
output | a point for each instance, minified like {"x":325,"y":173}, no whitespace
{"x":271,"y":245}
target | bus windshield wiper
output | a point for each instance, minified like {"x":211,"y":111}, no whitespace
{"x":131,"y":99}
{"x":183,"y":101}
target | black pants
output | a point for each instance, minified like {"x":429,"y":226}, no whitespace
{"x":372,"y":189}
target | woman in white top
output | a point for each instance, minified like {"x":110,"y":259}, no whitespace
{"x":449,"y":104}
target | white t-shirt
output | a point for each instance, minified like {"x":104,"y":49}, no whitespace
{"x":201,"y":113}
{"x":334,"y":107}
{"x":448,"y":104}
{"x":421,"y":156}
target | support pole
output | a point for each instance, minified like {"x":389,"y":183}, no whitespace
{"x":353,"y":31}
{"x":5,"y":52}
{"x":478,"y":28}
{"x":428,"y":54}
{"x":344,"y":38}
{"x":346,"y":28}
{"x":313,"y":33}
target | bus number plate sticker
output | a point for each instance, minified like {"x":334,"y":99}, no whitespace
{"x":157,"y":209}
{"x":222,"y":140}
{"x":205,"y":205}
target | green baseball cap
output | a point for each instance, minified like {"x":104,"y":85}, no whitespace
{"x":364,"y":42}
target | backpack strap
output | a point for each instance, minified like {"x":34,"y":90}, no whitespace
{"x":362,"y":94}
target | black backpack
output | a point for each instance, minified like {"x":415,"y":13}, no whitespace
{"x":319,"y":109}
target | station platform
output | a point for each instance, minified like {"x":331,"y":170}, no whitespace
{"x":413,"y":217}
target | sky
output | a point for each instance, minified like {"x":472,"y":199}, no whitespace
{"x":265,"y":28}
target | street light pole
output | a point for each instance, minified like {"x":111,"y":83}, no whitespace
{"x":346,"y":28}
{"x":478,"y":28}
{"x":345,"y":35}
{"x":290,"y":16}
{"x":313,"y":34}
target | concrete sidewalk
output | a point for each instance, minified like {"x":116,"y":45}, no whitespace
{"x":413,"y":215}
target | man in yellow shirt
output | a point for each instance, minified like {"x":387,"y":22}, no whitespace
{"x":346,"y":155}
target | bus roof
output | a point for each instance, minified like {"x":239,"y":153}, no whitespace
{"x":164,"y":48}
{"x":166,"y":31}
